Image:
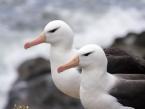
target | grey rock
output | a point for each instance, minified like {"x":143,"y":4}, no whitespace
{"x":35,"y":88}
{"x":33,"y":68}
{"x":133,"y":43}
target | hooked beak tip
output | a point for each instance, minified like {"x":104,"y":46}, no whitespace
{"x":27,"y":45}
{"x":60,"y":69}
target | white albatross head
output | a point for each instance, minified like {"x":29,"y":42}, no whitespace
{"x":90,"y":56}
{"x":56,"y":32}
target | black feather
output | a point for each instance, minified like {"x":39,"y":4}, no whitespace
{"x":87,"y":54}
{"x":53,"y":30}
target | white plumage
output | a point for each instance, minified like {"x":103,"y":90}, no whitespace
{"x":60,"y":36}
{"x":96,"y":82}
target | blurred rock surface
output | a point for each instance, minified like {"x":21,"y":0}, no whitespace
{"x":133,"y":43}
{"x":34,"y":87}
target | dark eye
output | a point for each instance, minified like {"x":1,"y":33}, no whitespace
{"x":87,"y":54}
{"x":53,"y":30}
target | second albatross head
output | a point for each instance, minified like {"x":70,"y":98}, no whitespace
{"x":88,"y":57}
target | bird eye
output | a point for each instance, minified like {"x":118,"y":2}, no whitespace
{"x":87,"y":54}
{"x":53,"y":30}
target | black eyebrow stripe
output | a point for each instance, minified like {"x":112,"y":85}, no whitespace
{"x":53,"y":30}
{"x":86,"y":54}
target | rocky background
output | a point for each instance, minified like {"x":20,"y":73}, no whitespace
{"x":34,"y":86}
{"x":132,"y":43}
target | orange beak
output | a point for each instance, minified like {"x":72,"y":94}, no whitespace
{"x":40,"y":39}
{"x":70,"y":64}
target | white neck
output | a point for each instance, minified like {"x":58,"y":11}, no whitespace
{"x":68,"y":81}
{"x":96,"y":79}
{"x":59,"y":55}
{"x":94,"y":90}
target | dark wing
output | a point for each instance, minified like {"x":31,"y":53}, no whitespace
{"x":115,"y":52}
{"x":130,"y":93}
{"x":131,"y":76}
{"x":121,"y":62}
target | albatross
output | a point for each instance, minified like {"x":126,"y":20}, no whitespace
{"x":60,"y":36}
{"x":100,"y":89}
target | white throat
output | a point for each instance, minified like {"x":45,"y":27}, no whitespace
{"x":94,"y":90}
{"x":68,"y":81}
{"x":93,"y":78}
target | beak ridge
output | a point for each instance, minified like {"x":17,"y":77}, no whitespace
{"x":70,"y":64}
{"x":40,"y":39}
